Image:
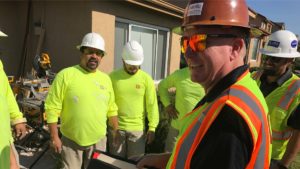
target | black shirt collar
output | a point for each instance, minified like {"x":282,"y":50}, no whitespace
{"x":223,"y":84}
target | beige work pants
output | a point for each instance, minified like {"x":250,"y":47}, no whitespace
{"x":131,"y":144}
{"x":73,"y":156}
{"x":171,"y":139}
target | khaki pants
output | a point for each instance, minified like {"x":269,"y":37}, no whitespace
{"x":171,"y":139}
{"x":131,"y":144}
{"x":74,"y":156}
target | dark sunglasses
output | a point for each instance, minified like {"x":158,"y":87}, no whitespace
{"x":90,"y":52}
{"x":271,"y":58}
{"x":197,"y":42}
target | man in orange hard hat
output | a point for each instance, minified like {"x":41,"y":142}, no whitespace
{"x":228,"y":128}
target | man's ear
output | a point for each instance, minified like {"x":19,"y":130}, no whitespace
{"x":237,"y":48}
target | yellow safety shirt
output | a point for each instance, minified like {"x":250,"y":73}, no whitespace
{"x":135,"y":95}
{"x":15,"y":115}
{"x":6,"y":137}
{"x":83,"y":101}
{"x":187,"y":95}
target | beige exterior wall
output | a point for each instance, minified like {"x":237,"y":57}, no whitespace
{"x":98,"y":21}
{"x":65,"y":23}
{"x":174,"y":59}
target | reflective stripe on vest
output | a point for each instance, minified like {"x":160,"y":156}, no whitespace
{"x":183,"y":152}
{"x":284,"y":135}
{"x":241,"y":99}
{"x":284,"y":103}
{"x":292,"y":91}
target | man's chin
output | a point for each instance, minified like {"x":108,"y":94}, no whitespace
{"x":269,"y":72}
{"x":92,"y":69}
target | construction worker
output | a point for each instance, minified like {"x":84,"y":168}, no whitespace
{"x":83,"y":98}
{"x":9,"y":113}
{"x":187,"y":95}
{"x":280,"y":88}
{"x":136,"y":98}
{"x":228,"y":129}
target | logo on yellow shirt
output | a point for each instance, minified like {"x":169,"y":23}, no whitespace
{"x":137,"y":86}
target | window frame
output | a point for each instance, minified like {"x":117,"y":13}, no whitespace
{"x":132,"y":23}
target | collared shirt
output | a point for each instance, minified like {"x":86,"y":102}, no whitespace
{"x":227,"y":143}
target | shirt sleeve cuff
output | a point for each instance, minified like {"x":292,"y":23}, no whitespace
{"x":17,"y":121}
{"x":152,"y":129}
{"x":51,"y":118}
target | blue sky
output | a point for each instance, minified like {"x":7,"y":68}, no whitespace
{"x":287,"y":11}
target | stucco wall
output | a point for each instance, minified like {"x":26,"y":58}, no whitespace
{"x":12,"y":22}
{"x":174,"y":59}
{"x":65,"y":23}
{"x":98,"y":21}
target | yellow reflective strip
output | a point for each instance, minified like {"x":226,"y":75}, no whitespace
{"x":252,"y":127}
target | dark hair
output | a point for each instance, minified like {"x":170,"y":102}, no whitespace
{"x":82,"y":48}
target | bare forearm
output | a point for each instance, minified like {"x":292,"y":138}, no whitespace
{"x":53,"y":130}
{"x":113,"y":122}
{"x":292,"y":149}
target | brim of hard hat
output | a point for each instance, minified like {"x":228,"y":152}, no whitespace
{"x":280,"y":55}
{"x":2,"y":34}
{"x":79,"y":46}
{"x":134,"y":63}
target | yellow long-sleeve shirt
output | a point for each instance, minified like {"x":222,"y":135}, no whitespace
{"x":188,"y":93}
{"x":14,"y":112}
{"x":136,"y":98}
{"x":6,"y":137}
{"x":83,"y":100}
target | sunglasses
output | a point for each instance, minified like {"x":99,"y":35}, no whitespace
{"x":90,"y":52}
{"x":271,"y":58}
{"x":197,"y":42}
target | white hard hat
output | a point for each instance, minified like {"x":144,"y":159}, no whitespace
{"x":133,"y":53}
{"x":282,"y":43}
{"x":2,"y":34}
{"x":93,"y":40}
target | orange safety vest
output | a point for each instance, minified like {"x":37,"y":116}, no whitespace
{"x":248,"y":106}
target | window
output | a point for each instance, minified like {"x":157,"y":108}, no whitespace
{"x":263,"y":26}
{"x":269,"y":28}
{"x":255,"y":48}
{"x":154,"y":41}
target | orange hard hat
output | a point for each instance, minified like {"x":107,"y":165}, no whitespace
{"x":216,"y":12}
